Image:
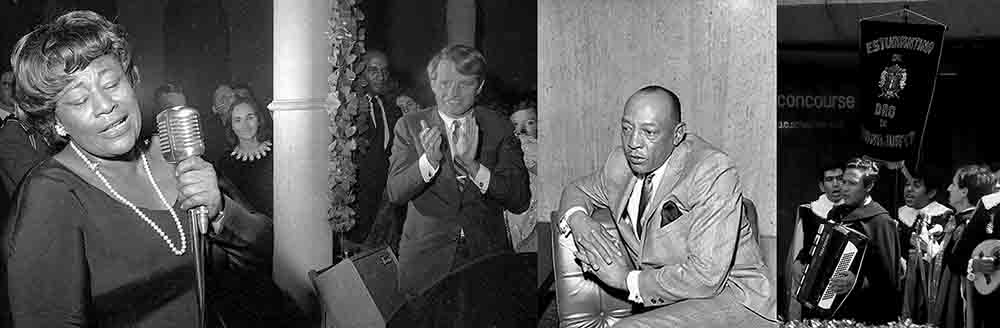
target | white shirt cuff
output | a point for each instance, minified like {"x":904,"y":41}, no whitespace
{"x":632,"y":282}
{"x":427,"y":171}
{"x":483,"y":178}
{"x":564,"y":222}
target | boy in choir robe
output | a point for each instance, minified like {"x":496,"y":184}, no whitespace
{"x":918,"y":193}
{"x":830,"y":182}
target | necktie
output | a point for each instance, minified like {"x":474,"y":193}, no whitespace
{"x":460,"y":172}
{"x":647,"y":188}
{"x":377,"y":123}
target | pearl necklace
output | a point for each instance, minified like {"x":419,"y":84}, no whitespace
{"x":122,"y":199}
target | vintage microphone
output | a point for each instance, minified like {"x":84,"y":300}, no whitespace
{"x":180,"y":138}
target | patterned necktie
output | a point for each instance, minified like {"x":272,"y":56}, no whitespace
{"x":647,"y":189}
{"x":460,"y":172}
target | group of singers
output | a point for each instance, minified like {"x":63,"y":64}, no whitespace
{"x":919,"y":263}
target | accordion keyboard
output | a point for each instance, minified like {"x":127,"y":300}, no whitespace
{"x":846,"y":258}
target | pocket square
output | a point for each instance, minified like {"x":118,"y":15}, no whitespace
{"x":668,"y":213}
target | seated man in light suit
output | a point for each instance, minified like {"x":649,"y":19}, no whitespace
{"x":683,"y":250}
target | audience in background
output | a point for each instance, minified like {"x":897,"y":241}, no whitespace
{"x":522,"y":226}
{"x":6,"y":94}
{"x":222,"y":101}
{"x":379,"y":222}
{"x":249,"y":164}
{"x":169,"y":95}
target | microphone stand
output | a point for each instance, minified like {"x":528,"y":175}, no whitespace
{"x":198,"y":250}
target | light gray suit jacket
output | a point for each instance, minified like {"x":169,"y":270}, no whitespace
{"x":696,"y":241}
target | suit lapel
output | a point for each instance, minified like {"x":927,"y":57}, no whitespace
{"x":671,"y":176}
{"x":625,"y":227}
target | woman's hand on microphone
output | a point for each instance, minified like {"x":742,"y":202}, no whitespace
{"x":198,"y":185}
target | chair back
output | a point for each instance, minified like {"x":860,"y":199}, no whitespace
{"x":580,"y":300}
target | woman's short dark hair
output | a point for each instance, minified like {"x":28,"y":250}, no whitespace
{"x":44,"y":60}
{"x":263,"y":119}
{"x":977,"y":179}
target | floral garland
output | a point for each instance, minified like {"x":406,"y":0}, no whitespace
{"x":346,"y":48}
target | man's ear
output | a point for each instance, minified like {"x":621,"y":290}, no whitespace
{"x":480,"y":89}
{"x":931,"y":194}
{"x":680,"y":131}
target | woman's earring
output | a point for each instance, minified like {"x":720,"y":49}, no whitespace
{"x":60,"y":130}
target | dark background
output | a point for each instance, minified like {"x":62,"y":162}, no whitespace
{"x":818,"y":55}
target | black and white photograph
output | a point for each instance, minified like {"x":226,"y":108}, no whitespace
{"x":656,"y":123}
{"x":292,"y":163}
{"x":886,"y":180}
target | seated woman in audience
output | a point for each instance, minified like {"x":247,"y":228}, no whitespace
{"x":249,"y":163}
{"x":99,"y":234}
{"x":520,"y":226}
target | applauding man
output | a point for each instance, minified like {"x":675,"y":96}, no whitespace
{"x":458,"y":168}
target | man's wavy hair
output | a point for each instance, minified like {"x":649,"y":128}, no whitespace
{"x":977,"y":179}
{"x":44,"y":60}
{"x":468,"y":61}
{"x":868,"y":168}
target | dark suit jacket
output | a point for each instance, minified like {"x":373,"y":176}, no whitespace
{"x":374,"y":167}
{"x":875,"y":298}
{"x":17,"y":157}
{"x":696,"y":242}
{"x":438,"y":210}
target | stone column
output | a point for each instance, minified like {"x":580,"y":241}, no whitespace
{"x":461,"y":22}
{"x":302,"y":236}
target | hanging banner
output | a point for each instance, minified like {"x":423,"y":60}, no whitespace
{"x":899,"y":67}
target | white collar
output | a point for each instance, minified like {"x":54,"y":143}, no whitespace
{"x":633,"y":202}
{"x":449,"y":121}
{"x":908,"y":214}
{"x":822,"y":205}
{"x":991,"y":200}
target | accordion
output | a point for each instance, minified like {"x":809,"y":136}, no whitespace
{"x":835,"y":249}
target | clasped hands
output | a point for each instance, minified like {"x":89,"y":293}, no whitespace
{"x":600,"y":251}
{"x":465,"y":147}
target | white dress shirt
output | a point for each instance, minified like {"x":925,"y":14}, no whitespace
{"x":384,"y":124}
{"x":428,"y":171}
{"x":632,"y":279}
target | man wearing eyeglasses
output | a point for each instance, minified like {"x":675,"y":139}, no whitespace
{"x":377,"y":221}
{"x":830,"y":183}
